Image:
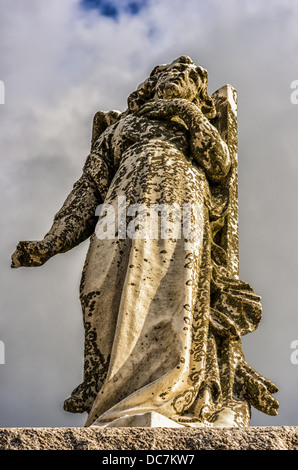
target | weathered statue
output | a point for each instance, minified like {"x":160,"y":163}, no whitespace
{"x":163,"y":309}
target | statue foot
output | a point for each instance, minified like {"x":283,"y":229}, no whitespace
{"x":74,"y":405}
{"x":80,"y":400}
{"x":235,"y":414}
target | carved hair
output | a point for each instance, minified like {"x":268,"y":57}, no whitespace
{"x":146,"y":90}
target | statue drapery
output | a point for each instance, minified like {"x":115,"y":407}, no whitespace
{"x":163,"y":316}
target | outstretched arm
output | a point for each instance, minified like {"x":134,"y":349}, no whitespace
{"x":74,"y":222}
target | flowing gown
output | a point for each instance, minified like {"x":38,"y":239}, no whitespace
{"x":150,"y":325}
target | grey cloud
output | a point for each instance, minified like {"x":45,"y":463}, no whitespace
{"x":59,"y":67}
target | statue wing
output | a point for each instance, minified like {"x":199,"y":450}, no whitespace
{"x":101,"y":121}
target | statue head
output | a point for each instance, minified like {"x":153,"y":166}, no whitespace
{"x":180,"y":79}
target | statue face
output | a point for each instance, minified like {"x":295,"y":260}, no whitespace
{"x":178,"y":80}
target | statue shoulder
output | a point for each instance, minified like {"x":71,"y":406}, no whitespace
{"x":102,"y":120}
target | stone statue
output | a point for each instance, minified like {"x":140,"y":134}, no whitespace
{"x":163,"y":309}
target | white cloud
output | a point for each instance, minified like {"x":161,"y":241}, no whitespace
{"x":60,"y":65}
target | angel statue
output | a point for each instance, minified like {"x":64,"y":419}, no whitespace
{"x":163,"y":307}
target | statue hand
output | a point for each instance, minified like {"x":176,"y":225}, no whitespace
{"x":166,"y":109}
{"x":32,"y":253}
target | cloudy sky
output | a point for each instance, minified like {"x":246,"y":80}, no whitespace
{"x":60,"y":62}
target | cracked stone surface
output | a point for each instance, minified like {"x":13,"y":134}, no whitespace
{"x":96,"y":438}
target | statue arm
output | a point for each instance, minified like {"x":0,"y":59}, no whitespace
{"x":206,"y":145}
{"x":208,"y":149}
{"x":76,"y":219}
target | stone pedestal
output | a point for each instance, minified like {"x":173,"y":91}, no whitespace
{"x":149,"y":439}
{"x":146,"y":420}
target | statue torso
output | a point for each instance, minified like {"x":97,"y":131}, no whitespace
{"x":140,"y":130}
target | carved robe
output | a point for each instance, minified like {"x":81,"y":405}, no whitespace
{"x":160,"y":315}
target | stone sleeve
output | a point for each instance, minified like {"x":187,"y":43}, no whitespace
{"x":76,"y":220}
{"x":208,"y":149}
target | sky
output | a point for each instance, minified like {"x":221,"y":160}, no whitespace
{"x":60,"y":63}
